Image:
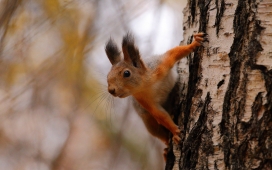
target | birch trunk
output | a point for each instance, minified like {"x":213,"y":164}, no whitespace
{"x":225,"y":108}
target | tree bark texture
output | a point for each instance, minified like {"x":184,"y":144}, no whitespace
{"x":225,"y":106}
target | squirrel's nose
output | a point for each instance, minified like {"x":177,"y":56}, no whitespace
{"x":111,"y":91}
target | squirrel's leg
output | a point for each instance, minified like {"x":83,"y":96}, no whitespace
{"x":160,"y":115}
{"x":163,"y":118}
{"x":175,"y":54}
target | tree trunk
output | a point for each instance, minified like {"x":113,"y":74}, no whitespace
{"x":225,"y":109}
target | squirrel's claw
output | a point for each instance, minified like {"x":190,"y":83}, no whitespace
{"x":177,"y":131}
{"x":200,"y":38}
{"x":176,"y":139}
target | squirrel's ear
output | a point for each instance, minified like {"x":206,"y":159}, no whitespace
{"x":131,"y":52}
{"x":112,"y":52}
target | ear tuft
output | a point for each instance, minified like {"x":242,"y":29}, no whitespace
{"x":112,"y":52}
{"x":128,"y":40}
{"x":131,"y":52}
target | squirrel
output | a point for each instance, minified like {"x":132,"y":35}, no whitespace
{"x":149,"y":83}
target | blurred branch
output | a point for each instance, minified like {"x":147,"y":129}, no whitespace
{"x":9,"y":8}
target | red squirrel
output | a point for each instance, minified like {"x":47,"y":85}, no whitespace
{"x":148,"y":83}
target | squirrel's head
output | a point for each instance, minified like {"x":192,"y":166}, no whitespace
{"x":128,"y":70}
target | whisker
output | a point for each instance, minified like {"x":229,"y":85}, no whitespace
{"x":101,"y":90}
{"x":108,"y":107}
{"x":98,"y":96}
{"x":100,"y":101}
{"x":112,"y":108}
{"x":101,"y":86}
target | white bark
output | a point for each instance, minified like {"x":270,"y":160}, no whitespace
{"x":234,"y":72}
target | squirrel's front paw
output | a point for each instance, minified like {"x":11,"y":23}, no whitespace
{"x":200,"y":38}
{"x":176,"y":137}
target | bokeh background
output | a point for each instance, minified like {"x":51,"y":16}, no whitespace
{"x":55,"y":112}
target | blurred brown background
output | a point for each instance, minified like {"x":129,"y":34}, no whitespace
{"x":55,"y":111}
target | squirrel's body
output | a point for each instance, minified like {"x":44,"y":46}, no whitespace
{"x":159,"y":93}
{"x":149,"y":83}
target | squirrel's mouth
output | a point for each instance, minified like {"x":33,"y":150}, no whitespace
{"x":123,"y":95}
{"x":119,"y":95}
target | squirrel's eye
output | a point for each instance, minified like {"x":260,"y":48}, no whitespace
{"x":126,"y":73}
